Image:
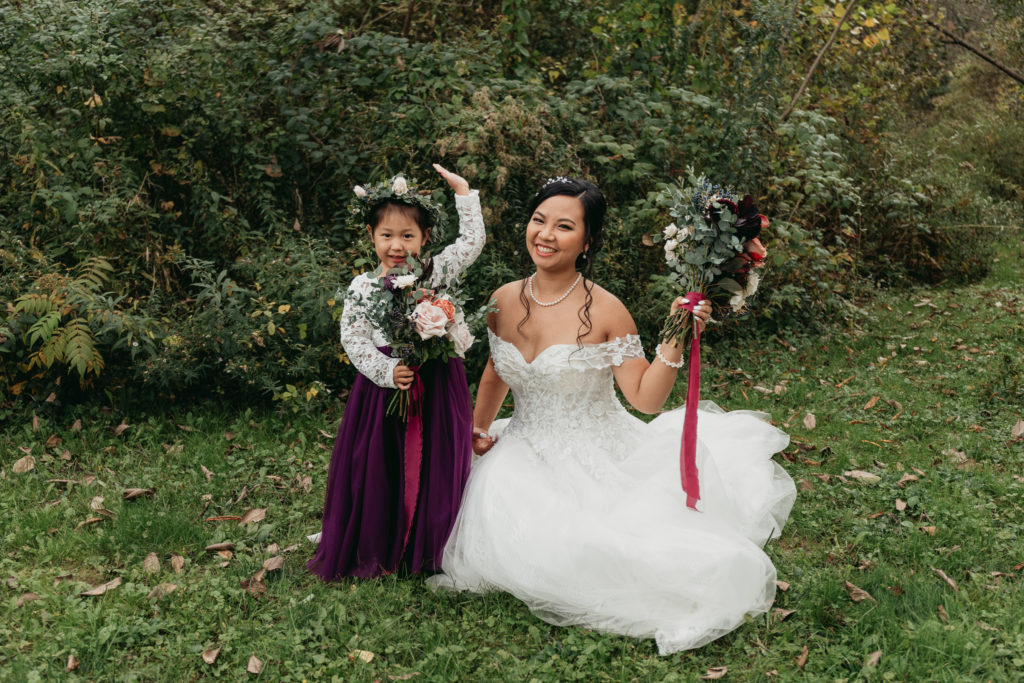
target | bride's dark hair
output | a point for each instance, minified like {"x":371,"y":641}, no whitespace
{"x":594,"y":208}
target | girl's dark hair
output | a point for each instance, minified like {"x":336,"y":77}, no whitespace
{"x":594,"y":208}
{"x":414,"y":212}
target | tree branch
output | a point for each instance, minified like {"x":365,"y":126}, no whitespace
{"x":821,"y":53}
{"x":970,"y":48}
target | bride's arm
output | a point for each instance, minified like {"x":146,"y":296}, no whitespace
{"x":490,"y":394}
{"x":647,"y":385}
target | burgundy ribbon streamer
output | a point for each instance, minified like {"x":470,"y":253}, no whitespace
{"x":688,"y":451}
{"x":413,"y":451}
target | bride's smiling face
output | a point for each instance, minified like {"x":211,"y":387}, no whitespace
{"x":556,"y":233}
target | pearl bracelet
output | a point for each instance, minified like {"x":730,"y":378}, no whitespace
{"x":666,"y":361}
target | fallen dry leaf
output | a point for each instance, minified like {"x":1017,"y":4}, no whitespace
{"x":930,"y":530}
{"x":858,"y":594}
{"x":255,"y":665}
{"x":23,"y":465}
{"x":272,"y":563}
{"x":804,"y":485}
{"x":715,"y":672}
{"x":253,"y":515}
{"x":206,"y":473}
{"x":871,"y":403}
{"x":53,"y":441}
{"x":985,"y":627}
{"x":177,"y":563}
{"x":132,"y":494}
{"x":403,"y":677}
{"x":905,"y":479}
{"x":72,"y":663}
{"x":941,"y":611}
{"x":782,"y":586}
{"x":873,"y":659}
{"x":119,"y":429}
{"x":901,"y":505}
{"x":802,"y":658}
{"x":291,"y":548}
{"x":151,"y":564}
{"x":945,"y":577}
{"x":210,"y":656}
{"x":101,"y":589}
{"x":861,"y":475}
{"x":89,"y":521}
{"x":96,"y":505}
{"x":226,"y":554}
{"x":76,"y":426}
{"x":161,"y":590}
{"x":35,"y":423}
{"x":809,"y":421}
{"x":225,"y":545}
{"x":27,"y":597}
{"x":1017,"y":429}
{"x":254,"y":584}
{"x":779,"y":614}
{"x":272,"y":549}
{"x":364,"y":656}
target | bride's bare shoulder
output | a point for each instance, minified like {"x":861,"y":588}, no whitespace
{"x":610,"y":316}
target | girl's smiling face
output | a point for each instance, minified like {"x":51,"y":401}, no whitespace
{"x":556,"y":233}
{"x":396,"y":235}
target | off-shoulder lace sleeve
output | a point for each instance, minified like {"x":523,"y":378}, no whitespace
{"x":357,"y":337}
{"x":451,"y":263}
{"x":610,"y":353}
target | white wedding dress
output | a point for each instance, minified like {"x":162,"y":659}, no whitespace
{"x":578,"y":509}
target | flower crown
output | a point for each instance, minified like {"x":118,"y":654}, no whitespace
{"x":402,"y":191}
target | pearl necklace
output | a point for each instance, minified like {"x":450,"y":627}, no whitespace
{"x":529,"y":285}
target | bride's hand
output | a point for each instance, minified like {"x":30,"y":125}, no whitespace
{"x":459,"y":184}
{"x":702,"y":310}
{"x":482,"y":441}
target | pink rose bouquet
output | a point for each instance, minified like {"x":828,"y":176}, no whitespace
{"x":423,"y":322}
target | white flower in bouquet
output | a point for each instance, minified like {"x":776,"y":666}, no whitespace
{"x":685,"y":232}
{"x":670,"y":231}
{"x":399,"y":186}
{"x":430,"y":321}
{"x":405,"y":281}
{"x":459,"y":333}
{"x":359,"y":191}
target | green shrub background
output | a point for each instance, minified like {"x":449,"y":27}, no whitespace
{"x":175,"y":175}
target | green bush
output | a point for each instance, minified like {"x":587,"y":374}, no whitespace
{"x":206,"y":152}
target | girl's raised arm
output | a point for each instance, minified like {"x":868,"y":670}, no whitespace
{"x":451,"y":263}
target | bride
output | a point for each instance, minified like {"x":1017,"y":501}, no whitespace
{"x":577,"y":510}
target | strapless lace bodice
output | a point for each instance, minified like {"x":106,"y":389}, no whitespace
{"x":565,"y":400}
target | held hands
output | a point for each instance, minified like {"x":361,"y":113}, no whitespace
{"x":403,"y":376}
{"x":482,"y":441}
{"x":702,"y":311}
{"x":455,"y":181}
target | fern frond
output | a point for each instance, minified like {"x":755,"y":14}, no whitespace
{"x":34,"y":304}
{"x":80,"y":350}
{"x":42,"y":329}
{"x":93,"y":273}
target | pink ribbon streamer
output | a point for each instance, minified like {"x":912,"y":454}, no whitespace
{"x":413,"y":452}
{"x":688,"y":451}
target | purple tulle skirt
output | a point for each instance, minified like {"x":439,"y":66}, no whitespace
{"x":364,"y":523}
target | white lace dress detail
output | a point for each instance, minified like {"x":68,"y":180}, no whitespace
{"x":360,"y":338}
{"x":578,"y":509}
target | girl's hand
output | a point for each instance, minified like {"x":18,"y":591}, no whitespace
{"x":403,"y":376}
{"x":482,"y":441}
{"x":459,"y":184}
{"x":702,"y":311}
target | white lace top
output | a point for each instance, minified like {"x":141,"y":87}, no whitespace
{"x":565,"y":402}
{"x":360,"y":338}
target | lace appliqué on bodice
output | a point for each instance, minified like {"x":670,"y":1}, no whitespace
{"x":565,"y":402}
{"x":360,"y":338}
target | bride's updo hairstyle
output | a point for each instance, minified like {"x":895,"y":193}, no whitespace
{"x":594,"y":208}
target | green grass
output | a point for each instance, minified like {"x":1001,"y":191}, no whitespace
{"x":945,"y":365}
